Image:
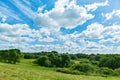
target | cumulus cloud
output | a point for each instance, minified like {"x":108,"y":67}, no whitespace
{"x":16,"y":29}
{"x":99,"y":31}
{"x":65,"y":14}
{"x":96,"y":38}
{"x":22,"y":33}
{"x":94,"y":6}
{"x":93,"y":31}
{"x":110,"y":15}
{"x":19,"y":36}
{"x":15,"y":33}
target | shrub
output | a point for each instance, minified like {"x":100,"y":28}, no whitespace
{"x":112,"y":62}
{"x":84,"y":61}
{"x":55,"y":60}
{"x":29,"y":56}
{"x":43,"y":61}
{"x":95,"y":63}
{"x":83,"y":67}
{"x":10,"y":56}
{"x":66,"y":61}
{"x":68,"y":71}
{"x":116,"y":72}
{"x":105,"y":71}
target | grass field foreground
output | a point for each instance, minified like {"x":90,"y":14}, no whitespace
{"x":26,"y":70}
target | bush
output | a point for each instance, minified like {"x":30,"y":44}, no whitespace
{"x":116,"y":72}
{"x":83,"y":67}
{"x":10,"y":56}
{"x":105,"y":71}
{"x":95,"y":63}
{"x":68,"y":71}
{"x":55,"y":60}
{"x":66,"y":60}
{"x":84,"y":61}
{"x":29,"y":56}
{"x":43,"y":61}
{"x":112,"y":62}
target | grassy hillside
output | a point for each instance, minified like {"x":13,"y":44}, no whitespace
{"x":26,"y":70}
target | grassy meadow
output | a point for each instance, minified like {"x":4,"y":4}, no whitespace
{"x":26,"y":70}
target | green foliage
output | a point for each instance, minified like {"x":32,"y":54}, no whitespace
{"x":83,"y":67}
{"x":73,"y":56}
{"x":112,"y":62}
{"x":29,"y":56}
{"x":43,"y":61}
{"x":26,"y":70}
{"x":10,"y":56}
{"x":68,"y":71}
{"x":95,"y":63}
{"x":65,"y":60}
{"x":81,"y":55}
{"x":84,"y":61}
{"x":54,"y":59}
{"x":116,"y":72}
{"x":105,"y":71}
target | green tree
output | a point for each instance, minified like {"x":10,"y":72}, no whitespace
{"x":83,"y":67}
{"x":43,"y":61}
{"x":66,"y":61}
{"x":55,"y":60}
{"x":10,"y":56}
{"x":112,"y":62}
{"x":105,"y":71}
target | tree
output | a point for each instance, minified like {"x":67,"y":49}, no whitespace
{"x":105,"y":71}
{"x":29,"y":55}
{"x":10,"y":56}
{"x":73,"y":56}
{"x":112,"y":62}
{"x":43,"y":61}
{"x":66,"y":61}
{"x":83,"y":67}
{"x":55,"y":59}
{"x":14,"y":55}
{"x":4,"y":55}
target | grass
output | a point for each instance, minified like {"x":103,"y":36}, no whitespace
{"x":26,"y":70}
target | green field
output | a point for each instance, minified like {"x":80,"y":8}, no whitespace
{"x":26,"y":70}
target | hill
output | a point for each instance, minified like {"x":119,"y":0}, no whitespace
{"x":26,"y":70}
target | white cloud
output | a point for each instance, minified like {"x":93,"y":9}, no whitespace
{"x":94,"y":6}
{"x":4,"y":10}
{"x":27,"y":2}
{"x":40,"y":9}
{"x":15,"y":33}
{"x":98,"y":38}
{"x":46,"y":39}
{"x":4,"y":17}
{"x":20,"y":36}
{"x":65,"y":14}
{"x":110,"y":15}
{"x":93,"y":31}
{"x":100,"y":32}
{"x":24,"y":9}
{"x":21,"y":33}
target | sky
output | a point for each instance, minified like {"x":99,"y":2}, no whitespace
{"x":73,"y":26}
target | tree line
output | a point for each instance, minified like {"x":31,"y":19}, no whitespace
{"x":80,"y":63}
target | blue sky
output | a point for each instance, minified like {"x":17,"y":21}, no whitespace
{"x":74,"y":26}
